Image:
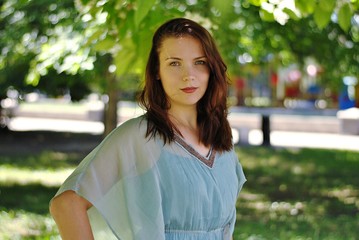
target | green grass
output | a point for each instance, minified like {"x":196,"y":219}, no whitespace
{"x":27,"y":183}
{"x":298,"y":194}
{"x":290,"y":194}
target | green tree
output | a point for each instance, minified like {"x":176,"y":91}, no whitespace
{"x":326,"y":30}
{"x":289,"y":30}
{"x":103,"y":41}
{"x":26,"y":28}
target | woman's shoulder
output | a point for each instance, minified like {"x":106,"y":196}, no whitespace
{"x":133,"y":132}
{"x":228,"y":153}
{"x":127,"y":133}
{"x":134,"y":127}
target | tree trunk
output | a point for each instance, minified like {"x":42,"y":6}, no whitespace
{"x":4,"y":119}
{"x":357,"y":95}
{"x":110,"y":118}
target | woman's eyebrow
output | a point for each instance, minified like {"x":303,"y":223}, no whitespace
{"x":173,"y":58}
{"x":177,"y":58}
{"x":200,"y":57}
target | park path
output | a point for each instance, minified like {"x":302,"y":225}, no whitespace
{"x":294,"y":131}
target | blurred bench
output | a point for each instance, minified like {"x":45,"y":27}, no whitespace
{"x":316,"y":120}
{"x":349,"y":121}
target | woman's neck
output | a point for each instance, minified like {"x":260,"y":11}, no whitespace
{"x":185,"y":123}
{"x":184,"y":118}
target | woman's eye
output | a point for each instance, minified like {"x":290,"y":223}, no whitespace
{"x":200,"y":62}
{"x":175,"y":64}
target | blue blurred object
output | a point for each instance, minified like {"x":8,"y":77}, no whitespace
{"x":347,"y":95}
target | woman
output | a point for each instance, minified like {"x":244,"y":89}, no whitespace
{"x":169,"y":174}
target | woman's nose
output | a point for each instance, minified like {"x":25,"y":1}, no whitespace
{"x":188,"y":78}
{"x":188,"y":74}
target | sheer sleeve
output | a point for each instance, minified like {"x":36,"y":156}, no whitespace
{"x":120,"y":179}
{"x":241,"y":180}
{"x":240,"y":175}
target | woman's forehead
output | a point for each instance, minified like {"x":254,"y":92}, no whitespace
{"x":181,"y":45}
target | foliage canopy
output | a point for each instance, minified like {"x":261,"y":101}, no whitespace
{"x":87,"y":38}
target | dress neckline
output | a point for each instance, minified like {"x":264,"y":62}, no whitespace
{"x":208,"y":161}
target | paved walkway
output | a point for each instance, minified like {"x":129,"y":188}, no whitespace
{"x":254,"y":136}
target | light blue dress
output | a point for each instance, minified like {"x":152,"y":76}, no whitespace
{"x":142,"y":189}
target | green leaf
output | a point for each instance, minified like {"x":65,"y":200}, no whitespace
{"x":125,"y":59}
{"x":305,"y":6}
{"x":256,"y":2}
{"x":95,"y":36}
{"x":105,"y":45}
{"x":344,"y":17}
{"x":327,"y":5}
{"x":224,"y":6}
{"x":143,"y":7}
{"x":266,"y":16}
{"x":322,"y":17}
{"x":84,"y":2}
{"x":291,"y":14}
{"x":32,"y":78}
{"x":124,"y":26}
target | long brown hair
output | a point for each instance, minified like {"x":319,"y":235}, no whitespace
{"x":214,"y":129}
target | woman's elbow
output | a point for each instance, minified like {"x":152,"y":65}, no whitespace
{"x":69,"y":210}
{"x":66,"y":201}
{"x":58,"y":204}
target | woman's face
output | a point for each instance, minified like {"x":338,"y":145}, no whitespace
{"x":183,"y":70}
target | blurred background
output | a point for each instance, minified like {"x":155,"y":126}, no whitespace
{"x":70,"y":72}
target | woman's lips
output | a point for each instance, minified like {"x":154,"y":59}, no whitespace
{"x":189,"y":89}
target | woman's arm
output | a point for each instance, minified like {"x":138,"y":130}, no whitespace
{"x":69,"y":211}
